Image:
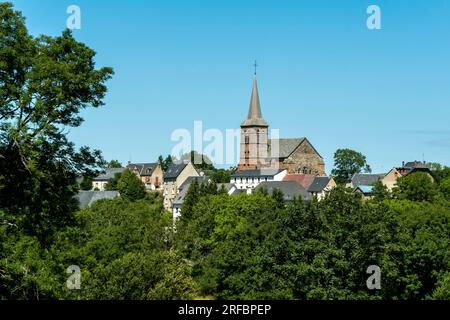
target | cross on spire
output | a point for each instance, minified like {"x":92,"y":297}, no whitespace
{"x":255,"y":65}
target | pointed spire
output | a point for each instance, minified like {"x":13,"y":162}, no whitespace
{"x":254,"y":117}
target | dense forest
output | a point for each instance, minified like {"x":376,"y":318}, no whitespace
{"x":223,"y":247}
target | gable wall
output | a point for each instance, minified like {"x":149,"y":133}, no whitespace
{"x":304,"y":158}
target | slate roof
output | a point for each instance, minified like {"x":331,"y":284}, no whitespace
{"x":189,"y":180}
{"x":285,"y":146}
{"x":264,"y":172}
{"x":87,"y":198}
{"x":366,"y":190}
{"x":227,"y":186}
{"x":174,"y":170}
{"x":415,"y":164}
{"x":366,"y":179}
{"x":108,"y":174}
{"x":305,"y":180}
{"x":319,"y":184}
{"x":254,"y":117}
{"x":144,"y":169}
{"x":183,"y":189}
{"x":290,"y":189}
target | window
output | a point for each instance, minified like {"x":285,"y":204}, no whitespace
{"x":247,"y":139}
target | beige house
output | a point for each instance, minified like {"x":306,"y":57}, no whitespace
{"x":321,"y":186}
{"x":175,"y":176}
{"x":99,"y":183}
{"x":363,"y":183}
{"x":151,"y":174}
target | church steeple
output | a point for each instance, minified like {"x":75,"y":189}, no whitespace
{"x":254,"y":117}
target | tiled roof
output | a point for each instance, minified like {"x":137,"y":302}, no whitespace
{"x":108,"y":174}
{"x":366,"y":179}
{"x":285,"y":146}
{"x":365,"y":189}
{"x":144,"y":169}
{"x":87,"y":198}
{"x":305,"y":180}
{"x":319,"y":184}
{"x":183,"y":189}
{"x":290,"y":189}
{"x":174,"y":170}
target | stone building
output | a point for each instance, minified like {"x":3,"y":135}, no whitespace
{"x":151,"y":174}
{"x":174,"y":177}
{"x":296,"y":155}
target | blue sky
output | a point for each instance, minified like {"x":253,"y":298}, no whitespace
{"x":322,"y":74}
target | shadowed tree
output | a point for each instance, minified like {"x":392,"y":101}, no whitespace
{"x":44,"y":84}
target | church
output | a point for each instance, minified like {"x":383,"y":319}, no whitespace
{"x":257,"y":151}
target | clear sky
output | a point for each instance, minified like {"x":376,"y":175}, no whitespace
{"x":323,"y":74}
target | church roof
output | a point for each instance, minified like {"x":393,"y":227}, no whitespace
{"x":254,"y":117}
{"x":263,"y":172}
{"x":285,"y":146}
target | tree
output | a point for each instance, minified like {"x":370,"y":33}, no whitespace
{"x":380,"y":191}
{"x":112,"y":183}
{"x":130,"y":186}
{"x":166,"y":163}
{"x":444,"y":187}
{"x":347,"y":162}
{"x":114,"y":164}
{"x":44,"y":84}
{"x":417,"y":186}
{"x":86,"y":183}
{"x":220,"y":175}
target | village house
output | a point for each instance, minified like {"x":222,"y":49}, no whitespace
{"x":317,"y":186}
{"x":321,"y":186}
{"x":179,"y":199}
{"x":363,"y":182}
{"x":151,"y":174}
{"x":174,"y":177}
{"x":250,"y":179}
{"x":99,"y":182}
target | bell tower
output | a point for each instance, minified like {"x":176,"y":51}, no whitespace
{"x":254,"y":134}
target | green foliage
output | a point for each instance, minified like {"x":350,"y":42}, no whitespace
{"x":380,"y":191}
{"x":86,"y":183}
{"x":444,"y":188}
{"x":417,"y":186}
{"x":123,"y":249}
{"x":113,"y":183}
{"x":219,"y":175}
{"x":251,"y":247}
{"x":166,"y":163}
{"x":347,"y":162}
{"x":130,"y":186}
{"x":114,"y":164}
{"x":44,"y":84}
